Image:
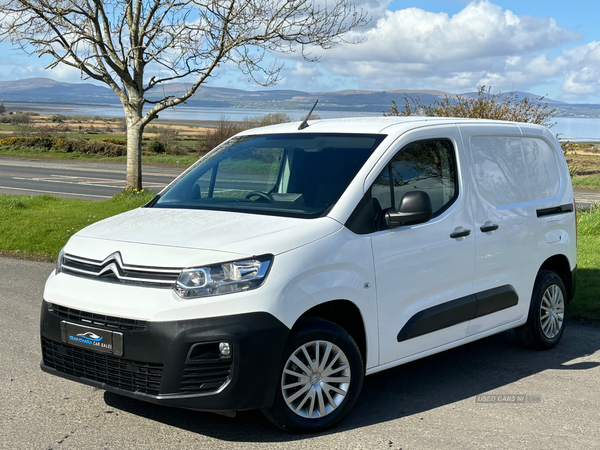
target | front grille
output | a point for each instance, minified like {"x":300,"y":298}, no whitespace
{"x":113,"y":269}
{"x":205,"y":377}
{"x":87,"y":318}
{"x":118,"y":372}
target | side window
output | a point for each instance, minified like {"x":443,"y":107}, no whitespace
{"x":511,"y":170}
{"x":428,"y":165}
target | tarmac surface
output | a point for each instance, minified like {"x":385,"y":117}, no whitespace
{"x":100,"y":181}
{"x":491,"y":394}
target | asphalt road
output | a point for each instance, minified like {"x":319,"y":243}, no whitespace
{"x":75,"y":179}
{"x":428,"y":404}
{"x":100,"y":181}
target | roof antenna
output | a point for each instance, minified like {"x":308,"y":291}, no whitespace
{"x":304,"y":123}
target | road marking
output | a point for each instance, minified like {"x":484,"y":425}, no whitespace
{"x":86,"y":169}
{"x":52,"y":192}
{"x":87,"y":181}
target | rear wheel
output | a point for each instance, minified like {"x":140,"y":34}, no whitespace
{"x":545,"y":324}
{"x":320,"y":379}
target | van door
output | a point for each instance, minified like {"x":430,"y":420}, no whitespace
{"x":512,"y":176}
{"x":424,"y":272}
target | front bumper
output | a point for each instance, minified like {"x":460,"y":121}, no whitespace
{"x":173,"y":363}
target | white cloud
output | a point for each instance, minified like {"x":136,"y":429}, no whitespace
{"x":60,"y":73}
{"x":482,"y":44}
{"x":584,"y":77}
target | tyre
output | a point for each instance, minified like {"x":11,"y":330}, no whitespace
{"x":545,"y":324}
{"x":320,"y":378}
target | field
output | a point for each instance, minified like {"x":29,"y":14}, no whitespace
{"x":96,"y":138}
{"x":584,"y":164}
{"x":29,"y":134}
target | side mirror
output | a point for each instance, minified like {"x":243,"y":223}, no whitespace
{"x":415,"y":207}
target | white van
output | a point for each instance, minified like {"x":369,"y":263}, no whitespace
{"x":291,"y":261}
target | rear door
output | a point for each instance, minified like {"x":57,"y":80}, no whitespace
{"x":513,"y":177}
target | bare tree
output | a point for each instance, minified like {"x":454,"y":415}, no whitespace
{"x":118,"y":41}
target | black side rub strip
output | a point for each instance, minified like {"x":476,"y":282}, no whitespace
{"x":562,"y":209}
{"x":459,"y":311}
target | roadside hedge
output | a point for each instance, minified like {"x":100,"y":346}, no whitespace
{"x":83,"y":146}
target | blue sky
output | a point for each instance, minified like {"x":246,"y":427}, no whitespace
{"x":547,"y":47}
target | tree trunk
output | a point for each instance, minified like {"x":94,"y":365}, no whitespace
{"x":134,"y":153}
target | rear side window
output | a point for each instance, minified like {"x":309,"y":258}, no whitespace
{"x":427,"y":165}
{"x":511,"y":170}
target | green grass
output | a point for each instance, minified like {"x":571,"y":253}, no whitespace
{"x":95,"y":136}
{"x":588,"y":222}
{"x":586,"y":304}
{"x":37,"y":227}
{"x":184,"y":160}
{"x":587,"y":182}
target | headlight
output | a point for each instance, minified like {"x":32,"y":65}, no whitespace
{"x":59,"y":261}
{"x":223,"y":278}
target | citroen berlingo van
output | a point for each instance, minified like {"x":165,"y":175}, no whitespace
{"x":291,"y":262}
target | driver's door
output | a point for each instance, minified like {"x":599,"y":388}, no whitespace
{"x":424,"y":272}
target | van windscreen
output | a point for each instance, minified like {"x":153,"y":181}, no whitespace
{"x":298,"y":175}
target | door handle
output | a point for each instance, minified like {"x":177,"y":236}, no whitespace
{"x":487,"y":228}
{"x":460,"y":233}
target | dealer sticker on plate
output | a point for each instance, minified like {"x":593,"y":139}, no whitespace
{"x":103,"y":341}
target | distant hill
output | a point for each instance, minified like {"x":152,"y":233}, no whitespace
{"x":521,"y":94}
{"x":46,"y":90}
{"x":50,"y":91}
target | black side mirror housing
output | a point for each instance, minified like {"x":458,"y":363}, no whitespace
{"x":415,"y":207}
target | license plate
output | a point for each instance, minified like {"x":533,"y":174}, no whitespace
{"x":95,"y":339}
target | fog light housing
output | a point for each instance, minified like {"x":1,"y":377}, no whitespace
{"x":209,"y":352}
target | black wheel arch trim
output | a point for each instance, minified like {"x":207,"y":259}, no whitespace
{"x":459,"y":311}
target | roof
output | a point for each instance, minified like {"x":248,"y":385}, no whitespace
{"x":367,"y":125}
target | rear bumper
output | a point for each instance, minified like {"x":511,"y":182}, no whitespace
{"x":173,"y":363}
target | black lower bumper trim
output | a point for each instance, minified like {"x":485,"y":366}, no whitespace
{"x":194,"y":380}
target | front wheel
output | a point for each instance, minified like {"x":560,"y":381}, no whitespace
{"x":320,"y":379}
{"x":545,"y":324}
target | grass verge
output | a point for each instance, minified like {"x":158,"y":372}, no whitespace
{"x":37,"y":227}
{"x":586,"y":304}
{"x":591,"y":182}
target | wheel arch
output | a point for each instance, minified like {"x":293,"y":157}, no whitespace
{"x":559,"y":264}
{"x":351,"y":320}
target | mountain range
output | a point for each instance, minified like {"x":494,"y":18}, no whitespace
{"x":46,"y":90}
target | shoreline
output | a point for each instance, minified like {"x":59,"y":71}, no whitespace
{"x":210,"y":117}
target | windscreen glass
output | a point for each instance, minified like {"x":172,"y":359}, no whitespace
{"x":299,"y":175}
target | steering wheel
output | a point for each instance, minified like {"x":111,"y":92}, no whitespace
{"x":260,"y":194}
